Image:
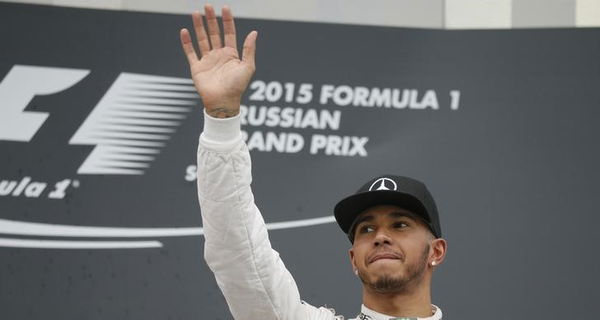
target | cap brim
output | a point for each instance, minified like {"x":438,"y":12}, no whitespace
{"x":349,"y":208}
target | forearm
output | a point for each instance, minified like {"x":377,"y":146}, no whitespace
{"x":249,"y":272}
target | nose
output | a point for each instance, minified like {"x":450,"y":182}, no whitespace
{"x":381,"y":238}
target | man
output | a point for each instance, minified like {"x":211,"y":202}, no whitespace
{"x":391,"y":221}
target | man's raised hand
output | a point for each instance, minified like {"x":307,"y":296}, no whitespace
{"x":220,"y":76}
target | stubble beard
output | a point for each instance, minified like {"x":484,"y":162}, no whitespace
{"x":400,"y":284}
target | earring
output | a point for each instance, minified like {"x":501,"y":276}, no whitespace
{"x":433,"y":263}
{"x":356,"y":272}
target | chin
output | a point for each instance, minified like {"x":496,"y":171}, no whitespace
{"x":388,"y":278}
{"x":387,"y":283}
{"x":385,"y":273}
{"x":389,"y":268}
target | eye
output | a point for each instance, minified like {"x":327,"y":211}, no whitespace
{"x":400,"y":224}
{"x":366,"y":229}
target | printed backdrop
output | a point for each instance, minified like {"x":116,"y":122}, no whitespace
{"x":98,"y":134}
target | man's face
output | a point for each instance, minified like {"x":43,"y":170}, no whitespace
{"x":391,"y":248}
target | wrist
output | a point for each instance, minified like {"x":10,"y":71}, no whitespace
{"x":222,"y":112}
{"x":223,"y":109}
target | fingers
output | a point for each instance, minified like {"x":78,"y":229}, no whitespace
{"x":249,"y":50}
{"x":228,"y":28}
{"x":214,"y":33}
{"x":201,"y":36}
{"x":186,"y":44}
{"x":208,"y":35}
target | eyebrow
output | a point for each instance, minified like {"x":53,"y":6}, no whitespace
{"x":400,"y":214}
{"x":393,"y":214}
{"x":362,"y":219}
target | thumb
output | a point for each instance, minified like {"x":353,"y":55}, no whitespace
{"x":249,"y":50}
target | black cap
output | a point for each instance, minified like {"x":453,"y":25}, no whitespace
{"x":404,"y":192}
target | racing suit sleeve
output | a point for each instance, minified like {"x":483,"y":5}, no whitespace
{"x":251,"y":275}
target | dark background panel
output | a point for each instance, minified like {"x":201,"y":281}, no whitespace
{"x":513,"y":171}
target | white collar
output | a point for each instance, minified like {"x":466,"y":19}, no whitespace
{"x":368,"y":314}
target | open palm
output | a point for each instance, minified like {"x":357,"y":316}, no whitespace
{"x":220,"y":76}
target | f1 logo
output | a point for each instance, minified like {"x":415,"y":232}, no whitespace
{"x":19,"y":87}
{"x":127,"y":127}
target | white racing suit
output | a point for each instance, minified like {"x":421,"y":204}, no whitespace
{"x":252,"y":277}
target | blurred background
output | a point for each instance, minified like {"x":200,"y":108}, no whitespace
{"x":442,"y":14}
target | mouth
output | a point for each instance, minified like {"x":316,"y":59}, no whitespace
{"x":385,"y":256}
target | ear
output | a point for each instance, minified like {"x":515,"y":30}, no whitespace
{"x":438,"y":251}
{"x":351,"y":254}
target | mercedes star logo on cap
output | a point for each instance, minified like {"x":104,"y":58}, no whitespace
{"x":384,"y":184}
